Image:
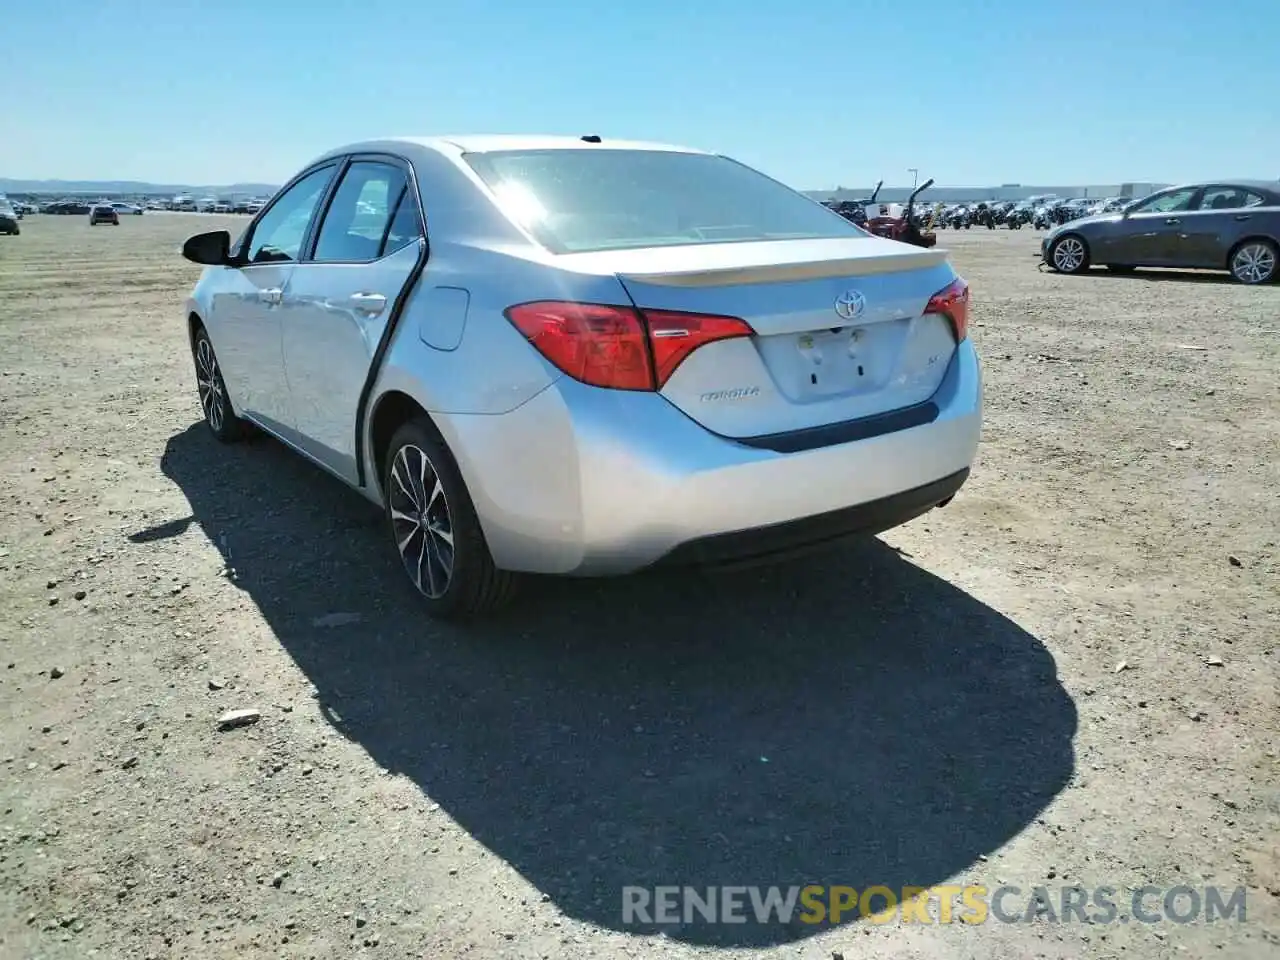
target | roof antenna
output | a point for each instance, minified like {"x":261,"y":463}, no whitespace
{"x":591,"y":138}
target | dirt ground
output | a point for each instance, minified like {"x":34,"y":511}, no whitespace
{"x":1067,"y":677}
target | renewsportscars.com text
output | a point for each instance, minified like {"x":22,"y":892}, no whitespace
{"x":973,"y":904}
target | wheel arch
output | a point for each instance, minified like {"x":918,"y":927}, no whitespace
{"x":390,"y":411}
{"x":194,"y":323}
{"x":1251,"y":238}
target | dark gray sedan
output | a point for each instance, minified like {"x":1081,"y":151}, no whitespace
{"x":1232,"y":226}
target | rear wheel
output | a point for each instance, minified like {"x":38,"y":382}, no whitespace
{"x":435,"y":529}
{"x":1254,"y":261}
{"x":223,"y":423}
{"x":1069,"y":254}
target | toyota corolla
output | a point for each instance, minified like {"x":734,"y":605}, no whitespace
{"x":577,"y":356}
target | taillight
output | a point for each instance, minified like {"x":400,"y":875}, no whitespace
{"x":619,"y":347}
{"x":952,"y":302}
{"x":601,"y":345}
{"x":674,"y":336}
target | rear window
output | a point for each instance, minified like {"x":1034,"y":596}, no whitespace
{"x":578,"y":200}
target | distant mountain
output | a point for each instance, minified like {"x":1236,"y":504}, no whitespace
{"x":131,"y":187}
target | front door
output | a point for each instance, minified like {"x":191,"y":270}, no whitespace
{"x":247,"y":327}
{"x":1149,"y":233}
{"x":340,"y":299}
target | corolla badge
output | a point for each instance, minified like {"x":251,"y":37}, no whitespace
{"x":737,"y":393}
{"x":850,"y":304}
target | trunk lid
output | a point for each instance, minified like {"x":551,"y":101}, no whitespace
{"x":840,"y":329}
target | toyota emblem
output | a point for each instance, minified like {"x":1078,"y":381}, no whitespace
{"x":850,"y":304}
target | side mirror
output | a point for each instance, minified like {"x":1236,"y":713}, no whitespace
{"x":211,"y":249}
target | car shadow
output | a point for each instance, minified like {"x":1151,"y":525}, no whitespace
{"x":850,"y":719}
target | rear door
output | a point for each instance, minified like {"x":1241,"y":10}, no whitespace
{"x":840,"y":329}
{"x":339,"y":300}
{"x":1223,"y":214}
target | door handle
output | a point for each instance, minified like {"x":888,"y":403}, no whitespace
{"x":274,"y":295}
{"x":371,"y":303}
{"x":1172,"y":220}
{"x":1242,"y":216}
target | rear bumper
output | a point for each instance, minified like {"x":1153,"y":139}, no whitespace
{"x":795,"y":537}
{"x":585,"y":481}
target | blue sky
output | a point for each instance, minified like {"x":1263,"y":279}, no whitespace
{"x":815,"y":92}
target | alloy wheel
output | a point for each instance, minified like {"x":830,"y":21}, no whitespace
{"x":209,"y":383}
{"x":1254,"y":263}
{"x":1068,"y":255}
{"x":421,"y":521}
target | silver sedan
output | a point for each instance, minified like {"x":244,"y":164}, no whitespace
{"x":577,"y":356}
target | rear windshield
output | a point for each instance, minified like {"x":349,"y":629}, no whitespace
{"x":579,"y":200}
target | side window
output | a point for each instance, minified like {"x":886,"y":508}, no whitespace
{"x":371,"y":215}
{"x":405,"y":226}
{"x":1172,"y":202}
{"x":1230,"y":198}
{"x":278,"y":235}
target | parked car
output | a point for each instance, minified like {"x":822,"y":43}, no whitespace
{"x":1232,"y":226}
{"x":127,"y":209}
{"x":104,"y":213}
{"x":15,"y":209}
{"x":68,"y":208}
{"x":9,"y":218}
{"x":632,"y":354}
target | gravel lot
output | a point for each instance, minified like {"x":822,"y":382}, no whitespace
{"x":1068,"y":676}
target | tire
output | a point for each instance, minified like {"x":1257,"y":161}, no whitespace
{"x":447,"y":560}
{"x":1069,"y":254}
{"x":1254,"y":261}
{"x":212,"y":391}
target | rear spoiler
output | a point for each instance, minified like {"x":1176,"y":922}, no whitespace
{"x":894,"y":261}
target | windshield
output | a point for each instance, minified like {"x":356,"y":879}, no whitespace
{"x":575,"y":201}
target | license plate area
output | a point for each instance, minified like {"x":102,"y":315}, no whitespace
{"x":821,"y":364}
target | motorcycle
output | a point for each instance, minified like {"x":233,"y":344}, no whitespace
{"x":855,"y":211}
{"x":906,"y":228}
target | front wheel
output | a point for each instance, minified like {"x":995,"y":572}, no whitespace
{"x":435,"y":530}
{"x":1254,"y":262}
{"x":223,"y":423}
{"x":1069,"y":254}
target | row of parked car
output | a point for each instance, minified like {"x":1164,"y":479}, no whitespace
{"x":1040,"y":213}
{"x":80,"y":207}
{"x":1231,"y":225}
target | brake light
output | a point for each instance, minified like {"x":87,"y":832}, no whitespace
{"x":952,"y":302}
{"x":619,"y":347}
